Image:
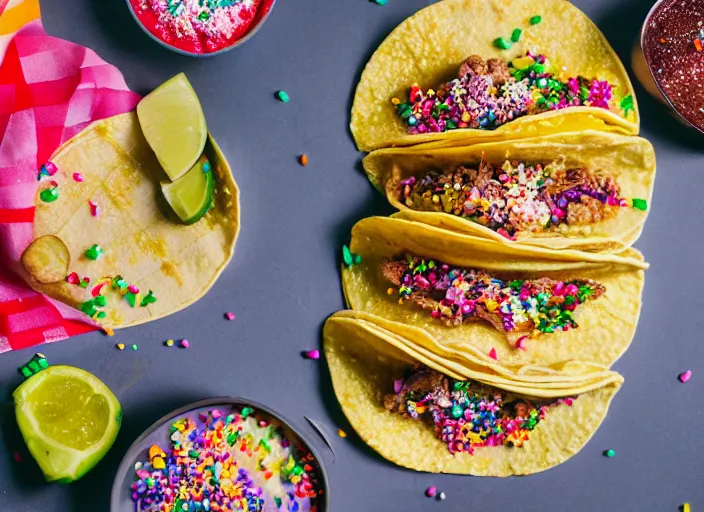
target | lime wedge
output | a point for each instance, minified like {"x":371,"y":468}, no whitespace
{"x":69,"y":420}
{"x":174,"y":125}
{"x":192,"y":195}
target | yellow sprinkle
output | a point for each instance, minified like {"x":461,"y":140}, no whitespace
{"x":120,"y":346}
{"x":169,"y":343}
{"x":395,"y":101}
{"x":109,"y":331}
{"x":491,"y":305}
{"x":341,"y":433}
{"x":154,"y":451}
{"x":158,"y":463}
{"x":686,"y":508}
{"x":390,"y":291}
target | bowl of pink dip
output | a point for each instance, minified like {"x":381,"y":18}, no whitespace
{"x":200,"y":28}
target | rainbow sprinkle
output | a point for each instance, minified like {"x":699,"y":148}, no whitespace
{"x":518,"y":197}
{"x":520,"y":307}
{"x":239,"y":462}
{"x":489,"y":94}
{"x":467,"y":414}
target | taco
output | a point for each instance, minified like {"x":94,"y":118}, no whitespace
{"x":418,"y":414}
{"x":129,"y":257}
{"x":588,"y":190}
{"x":467,"y":71}
{"x":517,"y":304}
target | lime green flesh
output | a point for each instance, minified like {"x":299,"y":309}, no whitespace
{"x":69,"y":420}
{"x":191,"y":196}
{"x":173,"y":123}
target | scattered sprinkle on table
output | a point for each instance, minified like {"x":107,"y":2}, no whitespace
{"x":185,"y":343}
{"x":303,"y":159}
{"x":311,"y":354}
{"x":283,"y":96}
{"x":686,"y":508}
{"x":380,"y":2}
{"x":169,"y":343}
{"x":108,"y":331}
{"x":431,"y":491}
{"x":135,"y":347}
{"x":441,"y":496}
{"x":120,"y":346}
{"x":230,"y":315}
{"x":609,"y":453}
{"x":341,"y":433}
{"x":685,"y":376}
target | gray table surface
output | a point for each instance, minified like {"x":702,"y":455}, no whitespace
{"x":284,"y":280}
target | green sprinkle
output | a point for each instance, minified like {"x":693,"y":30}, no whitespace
{"x":33,"y":366}
{"x":516,"y":35}
{"x":627,"y":104}
{"x":609,"y":453}
{"x":283,"y":97}
{"x":49,"y":195}
{"x":277,"y":499}
{"x":43,"y":363}
{"x":26,"y":372}
{"x":94,"y":252}
{"x":204,"y":16}
{"x":380,"y":2}
{"x":356,"y":259}
{"x":535,"y":20}
{"x":83,"y":283}
{"x":101,"y":301}
{"x":135,"y":347}
{"x":131,"y":299}
{"x":148,"y":299}
{"x":640,"y":204}
{"x":501,"y":43}
{"x":246,"y":411}
{"x":102,"y":314}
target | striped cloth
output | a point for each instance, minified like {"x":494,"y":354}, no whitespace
{"x":50,"y":89}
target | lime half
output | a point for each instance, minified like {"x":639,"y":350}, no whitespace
{"x":192,"y":195}
{"x":174,"y":125}
{"x":69,"y":420}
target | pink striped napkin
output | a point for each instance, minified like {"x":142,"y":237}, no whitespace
{"x":50,"y":89}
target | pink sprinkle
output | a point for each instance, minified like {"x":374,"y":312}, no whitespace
{"x":94,"y":209}
{"x":522,"y":343}
{"x":398,"y":386}
{"x":230,"y":315}
{"x":431,"y":491}
{"x":96,"y":289}
{"x":185,"y":343}
{"x":73,"y":278}
{"x":215,"y":414}
{"x":51,"y":168}
{"x":18,"y":457}
{"x":133,"y":288}
{"x":77,"y":176}
{"x":492,"y":354}
{"x":685,"y":376}
{"x":312,"y":354}
{"x":262,"y":423}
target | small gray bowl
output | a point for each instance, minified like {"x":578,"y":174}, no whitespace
{"x":262,"y":15}
{"x":158,"y":433}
